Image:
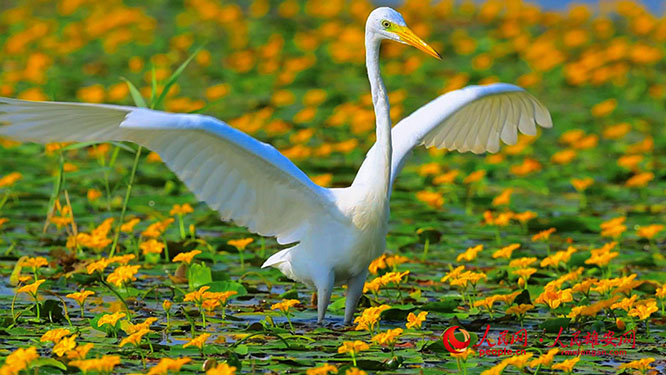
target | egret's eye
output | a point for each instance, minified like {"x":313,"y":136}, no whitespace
{"x":386,"y":24}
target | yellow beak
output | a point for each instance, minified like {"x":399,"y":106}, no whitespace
{"x":408,"y":37}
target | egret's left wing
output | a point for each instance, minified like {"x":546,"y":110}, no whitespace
{"x":474,"y":119}
{"x":246,"y":181}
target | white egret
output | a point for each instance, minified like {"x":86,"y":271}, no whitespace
{"x":337,"y":232}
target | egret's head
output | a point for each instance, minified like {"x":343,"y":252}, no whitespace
{"x":386,"y":23}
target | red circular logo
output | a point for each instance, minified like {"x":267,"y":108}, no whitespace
{"x":451,"y":343}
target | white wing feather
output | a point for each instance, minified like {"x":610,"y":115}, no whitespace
{"x":246,"y":181}
{"x":474,"y":119}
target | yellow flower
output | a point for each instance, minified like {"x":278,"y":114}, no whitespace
{"x":217,"y":91}
{"x":446,"y":178}
{"x":522,"y":262}
{"x":322,"y":370}
{"x":151,"y":246}
{"x":642,"y":364}
{"x":453,"y":273}
{"x":613,"y":231}
{"x":373,"y":286}
{"x":567,"y":365}
{"x":464,"y":354}
{"x":554,"y":298}
{"x":467,"y":277}
{"x":93,"y":194}
{"x":55,"y":335}
{"x":10,"y":179}
{"x":643,"y":311}
{"x":91,"y":94}
{"x":604,"y":108}
{"x":353,"y":347}
{"x":64,"y":345}
{"x":285,"y":305}
{"x":222,"y":369}
{"x":104,"y":364}
{"x":564,"y":156}
{"x":110,"y":319}
{"x":525,"y":273}
{"x":504,"y":198}
{"x":524,"y":217}
{"x":661,"y":292}
{"x":393,"y":277}
{"x":394,"y":260}
{"x":377,"y":264}
{"x":602,"y":256}
{"x":134,"y":338}
{"x":557,"y":258}
{"x":30,"y":288}
{"x":220,"y":296}
{"x":198,"y":341}
{"x":241,"y":244}
{"x":495,"y":370}
{"x":186,"y":257}
{"x":429,"y":169}
{"x":470,"y":254}
{"x":355,"y":371}
{"x":370,"y":316}
{"x":19,"y":360}
{"x":640,"y":179}
{"x":543,"y":235}
{"x":3,"y":220}
{"x":123,"y":274}
{"x":178,"y":209}
{"x":508,"y":298}
{"x":528,"y":166}
{"x":581,"y":184}
{"x":323,"y":180}
{"x":415,"y":321}
{"x":626,"y":304}
{"x":156,"y":229}
{"x":432,"y":199}
{"x":474,"y":176}
{"x":545,"y":359}
{"x":167,"y":365}
{"x":583,"y":286}
{"x":133,"y":328}
{"x":387,"y":338}
{"x":129,"y":225}
{"x":519,"y":361}
{"x":80,"y":352}
{"x":197,"y":296}
{"x":81,"y":296}
{"x":519,"y":309}
{"x":121,"y":259}
{"x":649,"y":231}
{"x":506,"y":251}
{"x":97,"y":266}
{"x":35,"y":262}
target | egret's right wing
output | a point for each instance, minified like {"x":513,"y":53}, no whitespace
{"x":474,"y":119}
{"x":246,"y":181}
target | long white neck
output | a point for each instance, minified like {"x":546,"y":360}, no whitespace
{"x":375,"y":173}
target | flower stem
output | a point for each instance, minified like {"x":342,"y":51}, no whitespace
{"x":128,"y":192}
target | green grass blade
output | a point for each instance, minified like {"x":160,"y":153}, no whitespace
{"x":136,"y":94}
{"x":174,"y":78}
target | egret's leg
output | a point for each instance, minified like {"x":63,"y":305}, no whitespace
{"x":324,"y":290}
{"x":354,"y":292}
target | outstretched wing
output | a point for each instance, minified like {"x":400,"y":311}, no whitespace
{"x":474,"y":118}
{"x":246,"y":181}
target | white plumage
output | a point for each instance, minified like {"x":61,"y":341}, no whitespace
{"x":338,"y":231}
